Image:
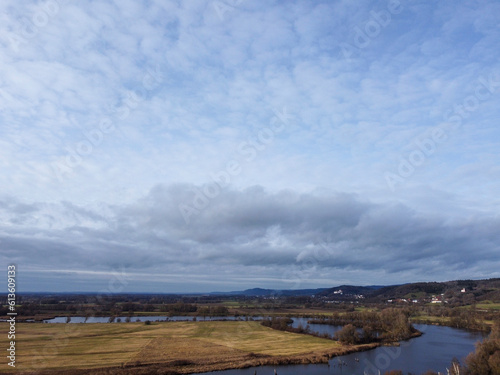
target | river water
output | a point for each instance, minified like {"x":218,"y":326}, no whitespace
{"x":318,"y":328}
{"x":122,"y":319}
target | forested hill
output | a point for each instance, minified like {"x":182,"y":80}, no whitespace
{"x":478,"y":290}
{"x":350,"y":290}
{"x":464,"y":291}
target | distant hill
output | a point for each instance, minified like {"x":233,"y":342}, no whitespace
{"x":349,"y":290}
{"x":479,"y":290}
{"x":259,"y":292}
{"x":319,"y":292}
{"x":473,"y":290}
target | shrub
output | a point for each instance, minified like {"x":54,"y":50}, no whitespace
{"x":348,"y":335}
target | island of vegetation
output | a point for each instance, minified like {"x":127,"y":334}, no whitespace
{"x":388,"y":326}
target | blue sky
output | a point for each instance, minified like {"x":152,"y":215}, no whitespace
{"x":222,"y":145}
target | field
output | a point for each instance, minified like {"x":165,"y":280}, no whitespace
{"x":182,"y":347}
{"x":488,"y":305}
{"x":432,"y":319}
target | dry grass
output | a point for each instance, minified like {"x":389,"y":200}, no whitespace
{"x":179,"y":346}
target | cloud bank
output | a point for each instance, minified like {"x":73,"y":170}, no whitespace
{"x":245,"y":237}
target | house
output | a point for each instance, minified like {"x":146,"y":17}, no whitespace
{"x":437,"y":299}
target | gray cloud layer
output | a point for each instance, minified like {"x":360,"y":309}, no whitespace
{"x":304,"y":239}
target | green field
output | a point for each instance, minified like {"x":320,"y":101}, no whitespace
{"x":197,"y":345}
{"x":487,"y":305}
{"x":432,"y":319}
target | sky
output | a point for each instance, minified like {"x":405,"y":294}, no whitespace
{"x":197,"y":146}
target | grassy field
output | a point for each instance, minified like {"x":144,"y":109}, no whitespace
{"x":181,"y":346}
{"x":432,"y":319}
{"x":484,"y":306}
{"x":488,"y":305}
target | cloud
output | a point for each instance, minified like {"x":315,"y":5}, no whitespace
{"x":251,"y":229}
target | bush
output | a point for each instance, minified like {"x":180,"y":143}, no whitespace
{"x":486,"y":359}
{"x":281,"y":324}
{"x":348,"y":335}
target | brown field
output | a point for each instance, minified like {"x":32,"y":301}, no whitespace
{"x":167,"y":347}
